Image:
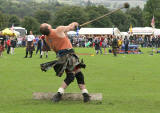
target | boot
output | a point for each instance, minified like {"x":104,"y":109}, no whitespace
{"x":40,"y":56}
{"x":57,"y":97}
{"x":86,"y":97}
{"x":31,"y":55}
{"x":26,"y":54}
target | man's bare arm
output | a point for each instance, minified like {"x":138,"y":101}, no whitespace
{"x":64,"y":29}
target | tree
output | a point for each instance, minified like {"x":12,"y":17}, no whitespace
{"x":69,"y":14}
{"x":3,"y":21}
{"x":137,"y":15}
{"x":31,"y":24}
{"x":13,"y":19}
{"x":152,"y":9}
{"x":43,"y":16}
{"x":120,"y":20}
{"x":97,"y":11}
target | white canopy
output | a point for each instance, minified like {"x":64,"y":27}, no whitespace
{"x":17,"y":33}
{"x":142,"y":30}
{"x":124,"y":33}
{"x":71,"y":33}
{"x":157,"y":32}
{"x":99,"y":31}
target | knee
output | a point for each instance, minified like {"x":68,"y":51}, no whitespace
{"x":69,"y":78}
{"x":80,"y":78}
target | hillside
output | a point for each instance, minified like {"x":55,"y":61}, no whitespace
{"x":111,"y":4}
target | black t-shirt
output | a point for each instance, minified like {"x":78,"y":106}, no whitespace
{"x":39,"y":43}
{"x":115,"y":42}
{"x":13,"y":43}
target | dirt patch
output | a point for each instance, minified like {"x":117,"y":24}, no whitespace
{"x":83,"y":54}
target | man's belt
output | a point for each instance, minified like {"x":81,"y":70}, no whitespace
{"x":63,"y":52}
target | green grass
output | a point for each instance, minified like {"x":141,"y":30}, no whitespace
{"x":129,"y":84}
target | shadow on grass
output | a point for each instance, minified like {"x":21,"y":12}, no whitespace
{"x":50,"y":102}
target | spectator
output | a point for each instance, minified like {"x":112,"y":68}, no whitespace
{"x":8,"y":46}
{"x":104,"y":45}
{"x":114,"y":45}
{"x":30,"y":45}
{"x":39,"y":45}
{"x":126,"y":43}
{"x":45,"y":47}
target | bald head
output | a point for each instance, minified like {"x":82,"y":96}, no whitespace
{"x":45,"y":29}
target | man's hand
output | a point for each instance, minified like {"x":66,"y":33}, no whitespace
{"x":73,"y":25}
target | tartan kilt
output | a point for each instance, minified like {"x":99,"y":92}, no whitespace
{"x":1,"y":48}
{"x":30,"y":46}
{"x":69,"y":62}
{"x":45,"y":48}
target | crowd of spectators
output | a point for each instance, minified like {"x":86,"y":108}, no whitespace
{"x":96,"y":41}
{"x":106,"y":40}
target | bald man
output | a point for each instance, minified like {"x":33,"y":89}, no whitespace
{"x":67,"y":61}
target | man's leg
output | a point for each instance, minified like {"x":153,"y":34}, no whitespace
{"x":46,"y":54}
{"x":11,"y":50}
{"x":41,"y":54}
{"x":100,"y":50}
{"x":40,"y":50}
{"x":8,"y":49}
{"x":30,"y":52}
{"x":69,"y":78}
{"x":37,"y":50}
{"x":80,"y":80}
{"x":26,"y":53}
{"x":97,"y":51}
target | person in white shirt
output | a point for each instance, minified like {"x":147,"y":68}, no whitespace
{"x":30,"y":45}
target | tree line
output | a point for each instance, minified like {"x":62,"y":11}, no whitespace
{"x":31,"y":14}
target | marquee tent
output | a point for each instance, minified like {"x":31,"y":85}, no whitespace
{"x":99,"y":31}
{"x":142,"y":31}
{"x":71,"y":33}
{"x":157,"y":32}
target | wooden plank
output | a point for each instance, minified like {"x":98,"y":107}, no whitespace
{"x":66,"y":96}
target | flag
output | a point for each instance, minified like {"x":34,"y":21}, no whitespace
{"x":77,"y":32}
{"x":12,"y":28}
{"x":130,"y":29}
{"x":113,"y":30}
{"x":153,"y":22}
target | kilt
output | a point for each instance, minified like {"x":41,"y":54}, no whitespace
{"x":67,"y":62}
{"x":45,"y":48}
{"x":30,"y":46}
{"x":1,"y":48}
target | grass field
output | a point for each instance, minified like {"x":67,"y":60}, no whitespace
{"x":129,"y":83}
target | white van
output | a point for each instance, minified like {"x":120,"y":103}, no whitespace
{"x":21,"y":30}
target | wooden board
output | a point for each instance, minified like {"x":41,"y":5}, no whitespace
{"x":66,"y":96}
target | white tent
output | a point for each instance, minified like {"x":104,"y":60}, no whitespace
{"x":142,"y":30}
{"x":71,"y":33}
{"x":157,"y":32}
{"x":99,"y":31}
{"x":123,"y":34}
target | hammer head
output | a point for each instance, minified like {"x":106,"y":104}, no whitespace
{"x":126,"y":5}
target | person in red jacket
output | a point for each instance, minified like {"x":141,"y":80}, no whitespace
{"x":8,"y":46}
